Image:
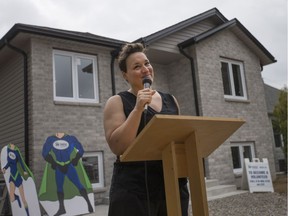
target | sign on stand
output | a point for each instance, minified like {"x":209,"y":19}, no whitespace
{"x":257,"y":176}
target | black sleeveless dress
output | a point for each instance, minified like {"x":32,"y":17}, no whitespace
{"x":130,"y":181}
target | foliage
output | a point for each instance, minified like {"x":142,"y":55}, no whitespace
{"x":280,"y":118}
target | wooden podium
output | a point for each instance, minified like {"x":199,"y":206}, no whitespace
{"x":181,"y":142}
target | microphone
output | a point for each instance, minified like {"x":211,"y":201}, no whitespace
{"x":146,"y":83}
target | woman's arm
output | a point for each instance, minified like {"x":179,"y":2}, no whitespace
{"x":119,"y":131}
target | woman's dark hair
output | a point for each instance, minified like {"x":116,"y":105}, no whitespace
{"x":126,"y":51}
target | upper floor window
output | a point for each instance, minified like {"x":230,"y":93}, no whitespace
{"x":75,"y":77}
{"x":233,"y":79}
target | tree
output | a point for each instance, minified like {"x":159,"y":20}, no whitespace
{"x":280,"y":118}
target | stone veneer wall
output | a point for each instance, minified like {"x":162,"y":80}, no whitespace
{"x":82,"y":120}
{"x":257,"y":128}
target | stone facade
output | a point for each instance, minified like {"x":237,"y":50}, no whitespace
{"x":82,"y":120}
{"x":257,"y":128}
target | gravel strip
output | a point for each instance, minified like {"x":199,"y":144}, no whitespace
{"x":249,"y":204}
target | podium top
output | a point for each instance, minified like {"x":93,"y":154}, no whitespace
{"x":164,"y":129}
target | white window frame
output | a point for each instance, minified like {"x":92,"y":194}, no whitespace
{"x":231,"y":80}
{"x":241,"y":145}
{"x":75,"y":98}
{"x":99,"y":155}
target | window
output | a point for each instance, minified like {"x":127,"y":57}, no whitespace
{"x":278,"y":140}
{"x":282,"y":165}
{"x":240,"y":151}
{"x":233,"y":80}
{"x":93,"y":164}
{"x":75,"y":77}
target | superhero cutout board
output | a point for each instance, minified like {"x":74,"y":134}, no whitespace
{"x":19,"y":182}
{"x":65,"y":187}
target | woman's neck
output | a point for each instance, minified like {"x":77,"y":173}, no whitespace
{"x":133,"y":91}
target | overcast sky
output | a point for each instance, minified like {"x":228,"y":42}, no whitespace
{"x":129,"y":20}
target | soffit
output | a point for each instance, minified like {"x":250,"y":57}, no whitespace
{"x":162,"y":57}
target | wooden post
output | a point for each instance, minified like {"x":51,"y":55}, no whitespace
{"x":197,"y":184}
{"x":171,"y":180}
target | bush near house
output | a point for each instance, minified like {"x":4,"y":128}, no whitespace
{"x":280,"y":118}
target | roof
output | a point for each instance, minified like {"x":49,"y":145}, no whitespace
{"x":214,"y":12}
{"x":222,"y":23}
{"x":85,"y":37}
{"x":265,"y":56}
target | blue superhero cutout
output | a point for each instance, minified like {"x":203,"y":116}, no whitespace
{"x":62,"y":153}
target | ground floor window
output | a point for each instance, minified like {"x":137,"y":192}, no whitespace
{"x":282,"y":165}
{"x":93,"y":164}
{"x":278,"y":140}
{"x":240,"y":151}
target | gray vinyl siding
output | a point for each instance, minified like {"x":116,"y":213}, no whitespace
{"x":170,"y":42}
{"x":12,"y":103}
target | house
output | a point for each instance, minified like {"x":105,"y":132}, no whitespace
{"x":54,"y":80}
{"x":272,"y":98}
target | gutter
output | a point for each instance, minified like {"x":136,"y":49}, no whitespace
{"x":193,"y":77}
{"x":61,"y":34}
{"x":26,"y":123}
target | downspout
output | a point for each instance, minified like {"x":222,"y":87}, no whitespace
{"x":26,"y":123}
{"x":193,"y":78}
{"x":195,"y":91}
{"x":113,"y":57}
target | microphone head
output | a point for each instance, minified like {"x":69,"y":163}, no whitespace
{"x":146,"y":80}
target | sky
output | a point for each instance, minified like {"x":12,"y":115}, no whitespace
{"x":129,"y":20}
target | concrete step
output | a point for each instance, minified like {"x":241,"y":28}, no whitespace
{"x":214,"y":190}
{"x":211,"y":183}
{"x":209,"y":198}
{"x":220,"y":189}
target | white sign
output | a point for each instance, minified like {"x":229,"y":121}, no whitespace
{"x":258,"y":176}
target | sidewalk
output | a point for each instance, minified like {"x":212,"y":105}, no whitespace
{"x":100,"y":210}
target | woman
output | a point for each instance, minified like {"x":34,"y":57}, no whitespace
{"x":137,"y":188}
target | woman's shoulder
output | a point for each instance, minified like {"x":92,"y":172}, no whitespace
{"x":166,"y":95}
{"x":125,"y":94}
{"x":113,"y":99}
{"x":118,"y":98}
